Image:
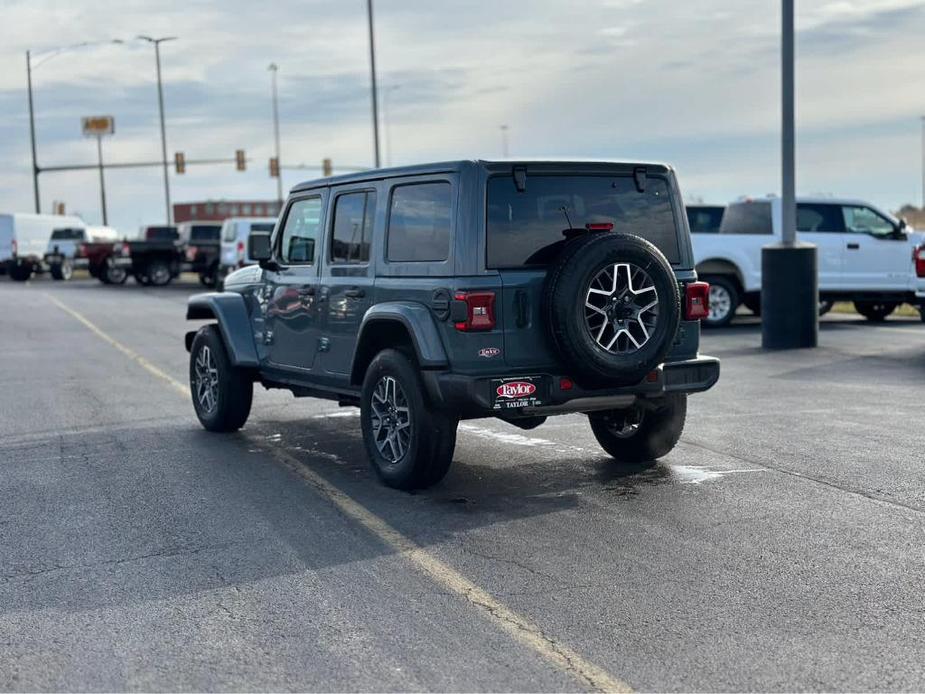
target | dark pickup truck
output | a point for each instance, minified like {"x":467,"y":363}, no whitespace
{"x":158,"y":256}
{"x":203,"y":248}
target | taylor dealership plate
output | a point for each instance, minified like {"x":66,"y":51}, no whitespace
{"x":517,"y":392}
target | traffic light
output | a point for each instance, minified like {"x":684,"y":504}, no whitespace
{"x":179,"y":162}
{"x":239,"y":162}
{"x":274,"y":167}
{"x":327,"y":168}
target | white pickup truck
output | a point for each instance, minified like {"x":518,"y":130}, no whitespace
{"x":865,"y":255}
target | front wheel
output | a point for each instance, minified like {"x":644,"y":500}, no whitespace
{"x":62,"y":271}
{"x":158,"y":273}
{"x":641,"y":434}
{"x":724,"y":300}
{"x":222,"y":393}
{"x":21,"y":273}
{"x":875,"y":311}
{"x":409,"y":443}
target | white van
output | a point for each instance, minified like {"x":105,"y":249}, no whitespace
{"x":235,"y":231}
{"x":62,"y":247}
{"x":24,"y":241}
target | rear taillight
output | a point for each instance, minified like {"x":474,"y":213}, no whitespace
{"x":697,"y":301}
{"x":81,"y":251}
{"x":240,"y":249}
{"x":479,"y":311}
{"x":918,"y":255}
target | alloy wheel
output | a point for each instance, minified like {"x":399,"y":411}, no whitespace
{"x":391,"y":419}
{"x":720,"y":303}
{"x":621,"y":308}
{"x":206,"y":383}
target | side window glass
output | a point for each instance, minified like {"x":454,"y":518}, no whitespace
{"x":419,"y":222}
{"x":863,"y":220}
{"x":300,"y":235}
{"x":353,"y":227}
{"x":819,"y":217}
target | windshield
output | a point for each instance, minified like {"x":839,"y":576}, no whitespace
{"x":67,"y":235}
{"x":527,"y":228}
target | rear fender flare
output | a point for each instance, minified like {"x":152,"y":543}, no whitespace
{"x":417,"y":321}
{"x":230,"y":311}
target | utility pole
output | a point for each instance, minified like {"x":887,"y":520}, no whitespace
{"x":789,"y":271}
{"x":274,"y":68}
{"x":160,"y":102}
{"x":923,"y":163}
{"x":372,"y":70}
{"x":35,"y":166}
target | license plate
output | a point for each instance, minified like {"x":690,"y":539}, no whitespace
{"x":516,"y":392}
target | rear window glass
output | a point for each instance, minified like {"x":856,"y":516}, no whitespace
{"x":419,"y":222}
{"x":203,"y":232}
{"x":67,"y":235}
{"x":161,"y":234}
{"x":705,"y":220}
{"x":819,"y":217}
{"x":747,"y":218}
{"x":527,"y":228}
{"x":262,"y":227}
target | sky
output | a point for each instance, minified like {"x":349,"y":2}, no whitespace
{"x":695,"y":83}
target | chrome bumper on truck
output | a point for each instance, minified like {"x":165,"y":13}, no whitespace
{"x":536,"y":394}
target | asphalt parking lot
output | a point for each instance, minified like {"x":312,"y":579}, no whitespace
{"x":779,"y":547}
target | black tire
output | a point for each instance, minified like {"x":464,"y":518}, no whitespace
{"x":21,"y":273}
{"x":753,"y":303}
{"x":825,"y":307}
{"x":422,"y":458}
{"x":640,"y":435}
{"x":569,"y":283}
{"x":207,"y":279}
{"x":229,"y":405}
{"x":922,"y":312}
{"x":875,"y":311}
{"x":724,"y":300}
{"x":113,"y":274}
{"x":62,"y":271}
{"x":158,"y":273}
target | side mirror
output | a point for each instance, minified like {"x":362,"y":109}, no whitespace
{"x":903,"y":223}
{"x":258,"y":247}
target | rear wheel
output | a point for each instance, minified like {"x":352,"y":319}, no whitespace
{"x":222,"y":393}
{"x":724,"y":300}
{"x":113,"y":274}
{"x":158,"y":273}
{"x":21,"y":272}
{"x":409,"y":443}
{"x":641,"y":434}
{"x":825,"y":307}
{"x":875,"y":311}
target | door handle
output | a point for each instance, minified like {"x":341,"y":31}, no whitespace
{"x":355,"y":293}
{"x":853,"y":246}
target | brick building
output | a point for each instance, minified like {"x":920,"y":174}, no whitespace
{"x":217,"y":210}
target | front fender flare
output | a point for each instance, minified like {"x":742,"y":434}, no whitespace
{"x":230,"y":311}
{"x":420,"y":324}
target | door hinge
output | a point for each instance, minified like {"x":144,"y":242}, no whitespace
{"x":324,"y":344}
{"x":268,"y":337}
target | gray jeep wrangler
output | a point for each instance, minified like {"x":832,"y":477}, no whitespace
{"x":429,"y":294}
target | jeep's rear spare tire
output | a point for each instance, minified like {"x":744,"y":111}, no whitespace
{"x":613,"y":306}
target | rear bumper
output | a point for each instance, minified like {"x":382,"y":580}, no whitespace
{"x":471,"y":396}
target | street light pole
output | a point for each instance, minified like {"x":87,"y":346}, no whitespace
{"x":274,"y":68}
{"x":35,"y":166}
{"x":789,"y":270}
{"x":160,"y":103}
{"x":99,"y":154}
{"x":372,"y":69}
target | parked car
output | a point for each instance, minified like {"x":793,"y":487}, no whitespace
{"x":434,"y":293}
{"x":235,"y":231}
{"x":158,"y":256}
{"x":24,"y":241}
{"x":203,"y":248}
{"x":61,"y":255}
{"x":110,"y":263}
{"x":705,"y":219}
{"x":865,"y":255}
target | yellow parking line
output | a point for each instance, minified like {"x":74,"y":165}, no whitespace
{"x":514,"y":624}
